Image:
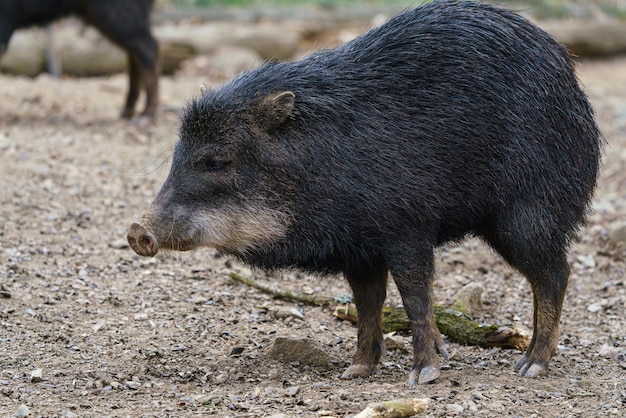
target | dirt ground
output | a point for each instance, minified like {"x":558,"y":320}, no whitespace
{"x":116,"y":335}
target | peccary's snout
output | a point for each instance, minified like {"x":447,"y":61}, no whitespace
{"x":142,"y":241}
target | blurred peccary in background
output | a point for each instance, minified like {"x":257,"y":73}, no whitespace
{"x":452,"y":119}
{"x":125,"y":23}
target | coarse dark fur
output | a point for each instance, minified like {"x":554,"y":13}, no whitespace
{"x":125,"y":23}
{"x":450,"y":119}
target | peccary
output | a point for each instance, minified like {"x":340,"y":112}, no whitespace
{"x":451,"y":119}
{"x":125,"y":23}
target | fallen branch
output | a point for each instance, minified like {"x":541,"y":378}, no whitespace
{"x":458,"y":326}
{"x":279,"y":293}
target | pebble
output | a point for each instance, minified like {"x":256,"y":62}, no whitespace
{"x":608,"y":351}
{"x":36,"y":376}
{"x":469,"y":299}
{"x":22,"y":411}
{"x":617,"y":233}
{"x":587,"y":261}
{"x":594,"y":307}
{"x":221,"y":378}
{"x":395,"y":343}
{"x":292,"y":391}
{"x":454,"y":409}
{"x":131,"y":384}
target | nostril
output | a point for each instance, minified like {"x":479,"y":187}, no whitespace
{"x":146,"y":241}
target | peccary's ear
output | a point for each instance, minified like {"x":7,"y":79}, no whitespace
{"x":275,"y":109}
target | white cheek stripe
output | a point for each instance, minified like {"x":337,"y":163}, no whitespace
{"x":238,"y":229}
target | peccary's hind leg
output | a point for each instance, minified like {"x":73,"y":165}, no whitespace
{"x":549,"y":286}
{"x":369,"y":286}
{"x":537,"y":248}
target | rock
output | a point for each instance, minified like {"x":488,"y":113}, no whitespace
{"x":617,"y":233}
{"x":292,"y":391}
{"x":395,"y":343}
{"x":284,"y":312}
{"x":25,"y":53}
{"x":131,"y":384}
{"x":609,"y":352}
{"x":83,"y":51}
{"x":587,"y":261}
{"x":305,"y":351}
{"x":594,"y":307}
{"x":220,"y":378}
{"x":454,"y":409}
{"x":173,"y":54}
{"x":22,"y":411}
{"x":36,"y":376}
{"x":468,"y":299}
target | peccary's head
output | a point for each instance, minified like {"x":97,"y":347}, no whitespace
{"x":220,"y":190}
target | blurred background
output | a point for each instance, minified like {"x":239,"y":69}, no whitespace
{"x":220,"y":38}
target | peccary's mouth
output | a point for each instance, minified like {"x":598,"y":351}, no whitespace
{"x":146,"y":242}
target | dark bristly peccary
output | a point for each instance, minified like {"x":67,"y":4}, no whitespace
{"x":125,"y":23}
{"x":451,"y":119}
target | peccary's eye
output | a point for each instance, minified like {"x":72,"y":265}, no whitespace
{"x":212,"y":165}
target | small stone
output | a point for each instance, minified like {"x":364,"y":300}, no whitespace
{"x":307,"y":352}
{"x":587,"y":261}
{"x":608,"y":351}
{"x":131,"y":384}
{"x":617,"y":233}
{"x":221,"y":378}
{"x":394,"y":343}
{"x":594,"y":307}
{"x":208,"y":399}
{"x":468,"y":299}
{"x":36,"y":376}
{"x":454,"y":409}
{"x":292,"y":391}
{"x":22,"y":411}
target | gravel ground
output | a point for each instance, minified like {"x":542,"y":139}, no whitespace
{"x":87,"y":328}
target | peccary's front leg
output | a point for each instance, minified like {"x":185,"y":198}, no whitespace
{"x":413,"y":274}
{"x":369,"y":286}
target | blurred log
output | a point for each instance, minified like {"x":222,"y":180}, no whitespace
{"x":589,"y":39}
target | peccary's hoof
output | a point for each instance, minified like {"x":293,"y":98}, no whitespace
{"x":142,"y":241}
{"x":527,"y":368}
{"x":426,"y":375}
{"x":357,"y":370}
